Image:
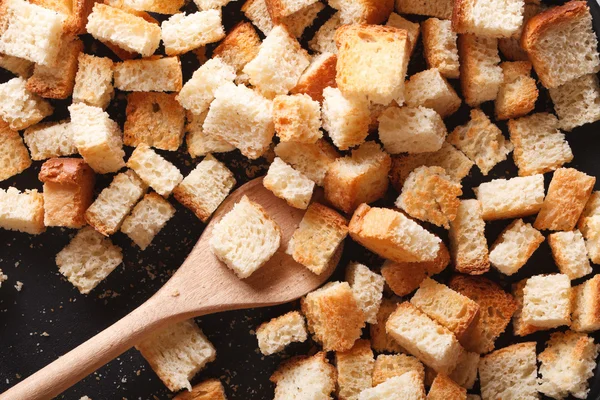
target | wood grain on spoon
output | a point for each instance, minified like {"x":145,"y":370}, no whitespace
{"x":202,"y":285}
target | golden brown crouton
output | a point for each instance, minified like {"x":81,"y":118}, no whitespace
{"x":444,"y":388}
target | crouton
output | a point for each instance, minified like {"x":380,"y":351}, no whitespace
{"x":511,"y":47}
{"x":591,"y":210}
{"x":346,"y":119}
{"x":302,"y":19}
{"x":380,"y":340}
{"x":488,"y":19}
{"x":520,"y":328}
{"x":363,"y":11}
{"x":304,"y":376}
{"x":518,"y":93}
{"x":319,"y":75}
{"x":22,"y":211}
{"x":50,"y":139}
{"x":465,"y":373}
{"x":182,"y":33}
{"x":548,"y":40}
{"x":198,"y":142}
{"x":297,"y":118}
{"x":577,"y":102}
{"x":586,"y":305}
{"x":546,"y":301}
{"x":408,"y":386}
{"x":204,"y":5}
{"x":511,"y":198}
{"x":312,"y":160}
{"x":257,"y":12}
{"x":515,"y":245}
{"x":149,"y":75}
{"x":147,"y":218}
{"x":88,"y":259}
{"x":354,"y":370}
{"x":570,"y":254}
{"x":154,"y":170}
{"x":324,"y":39}
{"x":279,"y":9}
{"x":14,"y":157}
{"x":444,"y":388}
{"x":93,"y":81}
{"x":389,"y":366}
{"x":431,"y":90}
{"x":434,"y":8}
{"x":19,"y":107}
{"x":275,"y":335}
{"x":68,"y":190}
{"x":480,"y":74}
{"x":412,"y":29}
{"x":467,"y":239}
{"x":288,"y":184}
{"x":439,"y":47}
{"x":239,"y":47}
{"x":156,"y":6}
{"x":333,"y":315}
{"x":368,"y":289}
{"x":16,"y":65}
{"x":210,"y":389}
{"x":75,"y":12}
{"x":411,"y":130}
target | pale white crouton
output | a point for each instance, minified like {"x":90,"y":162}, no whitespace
{"x":182,"y":33}
{"x":149,"y":75}
{"x":324,"y":39}
{"x":298,"y":377}
{"x":511,"y":198}
{"x":154,"y":170}
{"x":93,"y":81}
{"x":408,"y":386}
{"x":547,"y":301}
{"x":480,"y":72}
{"x":577,"y":102}
{"x":488,"y":18}
{"x":354,"y":370}
{"x":569,"y":253}
{"x":198,"y":142}
{"x":368,"y":289}
{"x":23,"y":212}
{"x":288,"y":184}
{"x":346,"y":119}
{"x":431,"y":90}
{"x":14,"y":157}
{"x":439,"y":46}
{"x":514,"y":247}
{"x":297,"y":118}
{"x":467,"y":239}
{"x":275,"y":335}
{"x":19,"y":107}
{"x":147,"y":218}
{"x":312,"y":160}
{"x":411,"y":130}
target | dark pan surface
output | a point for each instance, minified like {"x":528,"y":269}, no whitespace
{"x":49,"y":316}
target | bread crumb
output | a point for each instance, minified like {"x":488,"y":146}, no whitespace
{"x":19,"y":286}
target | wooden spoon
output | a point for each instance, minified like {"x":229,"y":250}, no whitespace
{"x":202,"y":285}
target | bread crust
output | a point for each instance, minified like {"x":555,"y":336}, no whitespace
{"x":444,"y":388}
{"x":14,"y":157}
{"x":313,"y":81}
{"x":211,"y":389}
{"x":239,"y":47}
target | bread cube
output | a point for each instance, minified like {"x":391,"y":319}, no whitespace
{"x":511,"y":47}
{"x":31,"y":32}
{"x":312,"y":160}
{"x":439,"y":46}
{"x":577,"y":102}
{"x":210,"y":389}
{"x":88,"y":259}
{"x":304,"y":376}
{"x":467,"y":239}
{"x":282,"y":8}
{"x":380,"y":340}
{"x":239,"y":47}
{"x":444,"y":388}
{"x":389,"y":366}
{"x":16,"y":65}
{"x":567,"y":363}
{"x":257,"y":12}
{"x":346,"y":119}
{"x":93,"y":81}
{"x":22,"y":211}
{"x":147,"y":218}
{"x":19,"y":107}
{"x":411,"y":28}
{"x":14,"y":157}
{"x":241,"y":117}
{"x":319,"y":75}
{"x":288,"y":184}
{"x":324,"y":39}
{"x":465,"y":373}
{"x":210,"y":4}
{"x":75,"y":13}
{"x":546,"y":301}
{"x":520,"y":327}
{"x":127,"y":31}
{"x":302,"y":19}
{"x":431,"y":90}
{"x":591,"y":210}
{"x":363,"y":11}
{"x":275,"y":335}
{"x":50,"y":139}
{"x":514,"y":247}
{"x":570,"y":254}
{"x":510,"y":373}
{"x":200,"y":144}
{"x":480,"y":74}
{"x":182,"y":33}
{"x":408,"y":386}
{"x":149,"y":75}
{"x":586,"y":303}
{"x":97,"y":138}
{"x":297,"y":118}
{"x":433,"y":8}
{"x":518,"y":93}
{"x":368,"y":289}
{"x":155,"y":6}
{"x":176,"y":353}
{"x":334,"y":316}
{"x":372,"y":62}
{"x":354,"y":370}
{"x":488,"y":19}
{"x":511,"y":198}
{"x":411,"y":130}
{"x":154,"y":170}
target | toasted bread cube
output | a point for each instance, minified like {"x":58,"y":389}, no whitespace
{"x":129,"y":32}
{"x":282,"y":8}
{"x":546,"y":301}
{"x":312,"y":160}
{"x":380,"y":340}
{"x":354,"y":370}
{"x":465,"y":373}
{"x":480,"y":74}
{"x":539,"y":146}
{"x":444,"y":388}
{"x":570,"y":254}
{"x":431,"y":90}
{"x":176,"y":353}
{"x":408,"y":386}
{"x":319,"y":75}
{"x":198,"y":142}
{"x":520,"y":328}
{"x":412,"y":28}
{"x":68,"y":191}
{"x":372,"y":62}
{"x":288,"y":184}
{"x":275,"y":335}
{"x":547,"y":38}
{"x":23,"y":212}
{"x":334,"y":316}
{"x":50,"y":139}
{"x":182,"y":33}
{"x":302,"y":19}
{"x":19,"y":107}
{"x":510,"y":373}
{"x":591,"y":210}
{"x":363,"y":11}
{"x":297,"y":118}
{"x":16,"y":65}
{"x":481,"y":141}
{"x":514,"y":247}
{"x":304,"y":376}
{"x":511,"y":47}
{"x":113,"y":204}
{"x":439,"y":46}
{"x":88,"y":259}
{"x":204,"y":5}
{"x":156,"y":6}
{"x":75,"y":13}
{"x":239,"y":47}
{"x":411,"y":130}
{"x":257,"y":12}
{"x":586,"y":303}
{"x":30,"y":32}
{"x":488,"y":19}
{"x":210,"y":389}
{"x":467,"y":239}
{"x":149,"y":75}
{"x":14,"y":157}
{"x":154,"y":170}
{"x":518,"y":93}
{"x":496,"y":308}
{"x":324,"y":39}
{"x":93,"y":81}
{"x":511,"y":198}
{"x":434,"y":8}
{"x":389,"y":366}
{"x":147,"y":218}
{"x":346,"y":119}
{"x":368,"y":289}
{"x":567,"y":363}
{"x":577,"y":102}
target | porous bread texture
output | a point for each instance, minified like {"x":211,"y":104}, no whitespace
{"x":363,"y":11}
{"x":304,"y":376}
{"x":210,"y":4}
{"x":288,"y":184}
{"x":430,"y":195}
{"x":511,"y":198}
{"x":245,"y":238}
{"x":239,"y":47}
{"x":346,"y":119}
{"x":518,"y":93}
{"x":591,"y":210}
{"x":205,"y":188}
{"x":561,"y":43}
{"x":540,"y":146}
{"x":94,"y":81}
{"x":570,"y":254}
{"x":431,"y":90}
{"x":149,"y":75}
{"x":156,"y":6}
{"x":368,"y":289}
{"x":319,"y":75}
{"x":147,"y":218}
{"x":411,"y":130}
{"x":480,"y":74}
{"x":408,"y":386}
{"x":577,"y":102}
{"x":182,"y":33}
{"x":502,"y":18}
{"x":257,"y":12}
{"x":19,"y":107}
{"x":282,"y":8}
{"x":465,"y":373}
{"x":75,"y":13}
{"x":566,"y":365}
{"x":16,"y":65}
{"x":510,"y":373}
{"x":389,"y":366}
{"x":440,"y":48}
{"x":514,"y":247}
{"x":241,"y":117}
{"x":198,"y":142}
{"x":210,"y":389}
{"x":14,"y":157}
{"x":547,"y":301}
{"x":275,"y":335}
{"x":334,"y":316}
{"x":380,"y":340}
{"x":127,"y":31}
{"x":114,"y":202}
{"x":324,"y":39}
{"x":312,"y":160}
{"x":354,"y":370}
{"x":481,"y":141}
{"x":433,"y":8}
{"x":520,"y":328}
{"x":586,"y":306}
{"x":50,"y":139}
{"x":154,"y":170}
{"x":511,"y":47}
{"x":359,"y":178}
{"x":302,"y":19}
{"x":176,"y":353}
{"x":297,"y":118}
{"x":411,"y":28}
{"x":468,"y":244}
{"x":444,"y":388}
{"x":22,"y":211}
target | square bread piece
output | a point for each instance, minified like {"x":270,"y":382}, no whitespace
{"x":577,"y":102}
{"x":114,"y":202}
{"x":94,"y":81}
{"x":50,"y":139}
{"x":354,"y":370}
{"x":279,"y":332}
{"x":515,"y":245}
{"x":408,"y":386}
{"x":298,"y":22}
{"x":548,"y":39}
{"x":19,"y":107}
{"x":320,"y":233}
{"x":570,"y":254}
{"x":480,"y":72}
{"x":149,"y":75}
{"x":154,"y":170}
{"x":23,"y":212}
{"x":488,"y":18}
{"x":319,"y":75}
{"x":380,"y":340}
{"x":481,"y":141}
{"x":156,"y":6}
{"x":312,"y":160}
{"x":468,"y":244}
{"x":412,"y":29}
{"x":303,"y":376}
{"x":205,"y":188}
{"x":444,"y":388}
{"x":155,"y":119}
{"x":392,"y":235}
{"x":586,"y":306}
{"x":546,"y":301}
{"x":297,"y":118}
{"x":389,"y":366}
{"x":68,"y":191}
{"x":510,"y":373}
{"x":567,"y":363}
{"x":258,"y":13}
{"x":241,"y":117}
{"x":16,"y":65}
{"x":359,"y":178}
{"x":147,"y":218}
{"x":346,"y":119}
{"x":567,"y":196}
{"x":288,"y":184}
{"x":210,"y":389}
{"x":282,"y":8}
{"x":431,"y":90}
{"x":520,"y":328}
{"x":199,"y":144}
{"x":239,"y":47}
{"x":245,"y":238}
{"x":433,"y":8}
{"x":324,"y":39}
{"x":30,"y":31}
{"x":176,"y":353}
{"x":372,"y":62}
{"x":182,"y":33}
{"x":511,"y":198}
{"x":14,"y":157}
{"x":415,"y":331}
{"x":363,"y":11}
{"x":368,"y":289}
{"x":334,"y":316}
{"x":88,"y":259}
{"x":465,"y":373}
{"x":591,"y":210}
{"x":511,"y":47}
{"x":439,"y":46}
{"x":518,"y":93}
{"x":540,"y":146}
{"x":411,"y":130}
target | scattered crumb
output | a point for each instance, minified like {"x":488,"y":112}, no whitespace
{"x":19,"y":286}
{"x":2,"y":277}
{"x":45,"y":334}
